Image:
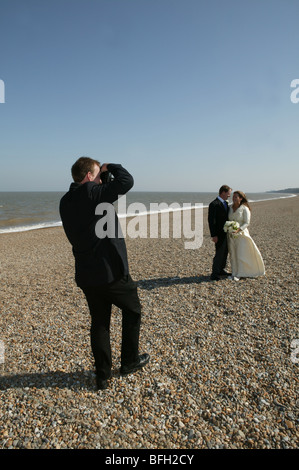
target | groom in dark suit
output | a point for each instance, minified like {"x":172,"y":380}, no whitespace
{"x":217,"y":216}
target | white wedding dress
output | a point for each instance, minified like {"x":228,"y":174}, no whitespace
{"x":245,"y":258}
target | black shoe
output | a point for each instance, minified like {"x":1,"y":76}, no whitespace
{"x":224,"y":273}
{"x":215,"y":278}
{"x":102,"y":384}
{"x":142,"y":361}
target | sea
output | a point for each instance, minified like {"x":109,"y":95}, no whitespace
{"x":22,"y":211}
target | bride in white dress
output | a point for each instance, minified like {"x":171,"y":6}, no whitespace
{"x":245,"y":258}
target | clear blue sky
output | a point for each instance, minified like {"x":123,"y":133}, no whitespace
{"x":185,"y":94}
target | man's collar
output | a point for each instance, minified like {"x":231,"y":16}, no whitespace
{"x":74,"y":186}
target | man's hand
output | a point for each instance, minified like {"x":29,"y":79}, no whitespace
{"x":104,"y":167}
{"x":215,"y":239}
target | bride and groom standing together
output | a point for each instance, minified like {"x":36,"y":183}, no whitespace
{"x":245,"y":258}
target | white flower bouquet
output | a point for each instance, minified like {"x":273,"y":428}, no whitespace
{"x":231,"y":227}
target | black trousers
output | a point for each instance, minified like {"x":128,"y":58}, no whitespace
{"x":124,"y":295}
{"x":219,"y":261}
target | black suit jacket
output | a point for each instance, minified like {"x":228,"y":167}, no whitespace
{"x":217,"y":216}
{"x":97,"y":260}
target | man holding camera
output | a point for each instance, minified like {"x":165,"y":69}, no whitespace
{"x":101,"y":265}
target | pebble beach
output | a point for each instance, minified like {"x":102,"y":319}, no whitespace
{"x":223,"y":372}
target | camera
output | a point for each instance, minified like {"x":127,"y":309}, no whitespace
{"x":106,"y":177}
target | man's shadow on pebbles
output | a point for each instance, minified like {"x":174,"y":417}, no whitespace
{"x":77,"y":380}
{"x":150,"y":284}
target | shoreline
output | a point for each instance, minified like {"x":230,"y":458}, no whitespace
{"x":54,"y":224}
{"x":221,"y":374}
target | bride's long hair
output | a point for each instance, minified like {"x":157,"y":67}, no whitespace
{"x":244,"y":199}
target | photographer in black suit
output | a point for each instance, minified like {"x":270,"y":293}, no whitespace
{"x":217,"y":216}
{"x":101,"y":265}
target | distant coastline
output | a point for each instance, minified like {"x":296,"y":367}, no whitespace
{"x":288,"y":191}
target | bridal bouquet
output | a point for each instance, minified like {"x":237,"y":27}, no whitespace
{"x":231,"y":227}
